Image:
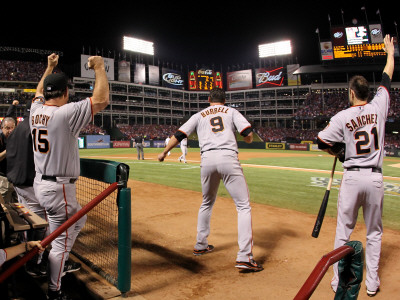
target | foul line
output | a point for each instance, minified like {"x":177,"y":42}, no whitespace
{"x":251,"y":166}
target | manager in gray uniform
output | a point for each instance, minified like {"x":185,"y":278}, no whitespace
{"x":55,"y":126}
{"x":362,"y":130}
{"x":216,"y":127}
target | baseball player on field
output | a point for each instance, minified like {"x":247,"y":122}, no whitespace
{"x":166,"y":143}
{"x":183,"y":145}
{"x":362,"y":130}
{"x":216,"y":127}
{"x":55,"y":126}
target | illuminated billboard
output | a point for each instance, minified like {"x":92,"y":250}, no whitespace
{"x":356,"y":42}
{"x":239,"y":80}
{"x":204,"y":80}
{"x":271,"y":77}
{"x":172,"y":79}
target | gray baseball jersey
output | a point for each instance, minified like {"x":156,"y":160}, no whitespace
{"x":216,"y":126}
{"x":55,"y":147}
{"x":362,"y":129}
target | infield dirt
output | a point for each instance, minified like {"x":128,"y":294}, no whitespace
{"x":163,"y":235}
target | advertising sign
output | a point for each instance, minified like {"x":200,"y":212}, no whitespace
{"x":204,"y":80}
{"x":269,"y":77}
{"x":293,"y":79}
{"x":326,"y":51}
{"x":154,"y":75}
{"x":89,"y":73}
{"x":139,"y":76}
{"x":97,"y":141}
{"x":121,"y":144}
{"x":172,"y":79}
{"x":124,"y":71}
{"x":239,"y":80}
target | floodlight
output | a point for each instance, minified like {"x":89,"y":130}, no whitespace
{"x":137,"y":45}
{"x":274,"y":49}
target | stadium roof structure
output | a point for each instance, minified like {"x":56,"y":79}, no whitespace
{"x":322,"y":69}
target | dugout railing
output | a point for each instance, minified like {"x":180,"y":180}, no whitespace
{"x":104,"y":244}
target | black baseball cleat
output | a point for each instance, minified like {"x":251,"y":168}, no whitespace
{"x":57,"y":295}
{"x":249,"y":265}
{"x":372,"y":293}
{"x":36,"y":270}
{"x":203,"y":251}
{"x":71,"y":266}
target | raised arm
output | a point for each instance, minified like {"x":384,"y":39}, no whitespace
{"x":101,"y":92}
{"x":389,"y":49}
{"x":52,"y":61}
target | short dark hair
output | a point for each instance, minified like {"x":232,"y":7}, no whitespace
{"x":360,"y":86}
{"x":217,"y":95}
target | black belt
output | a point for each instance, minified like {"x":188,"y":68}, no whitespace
{"x":217,"y":149}
{"x":54,"y":178}
{"x":375,"y":170}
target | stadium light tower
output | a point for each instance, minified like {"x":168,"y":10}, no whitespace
{"x":137,"y":45}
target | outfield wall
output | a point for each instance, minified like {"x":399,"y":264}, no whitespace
{"x":103,"y":141}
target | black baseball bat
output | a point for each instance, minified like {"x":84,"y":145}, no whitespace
{"x":322,"y":209}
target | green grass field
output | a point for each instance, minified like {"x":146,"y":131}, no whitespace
{"x":293,"y":189}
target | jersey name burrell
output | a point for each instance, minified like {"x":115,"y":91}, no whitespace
{"x":55,"y":131}
{"x":216,"y":126}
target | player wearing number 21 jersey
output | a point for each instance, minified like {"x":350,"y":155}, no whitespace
{"x":362,"y":129}
{"x":216,"y":127}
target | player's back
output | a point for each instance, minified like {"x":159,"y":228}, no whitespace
{"x":217,"y":125}
{"x":364,"y":132}
{"x":54,"y":134}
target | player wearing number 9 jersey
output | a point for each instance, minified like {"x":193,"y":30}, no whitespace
{"x":55,"y":125}
{"x":216,"y":127}
{"x":362,"y":129}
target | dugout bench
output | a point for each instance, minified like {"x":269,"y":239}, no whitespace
{"x":16,"y":219}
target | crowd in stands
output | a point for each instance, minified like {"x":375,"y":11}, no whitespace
{"x":152,"y":132}
{"x":327,"y":105}
{"x":21,"y":71}
{"x":283,"y":134}
{"x":92,"y":129}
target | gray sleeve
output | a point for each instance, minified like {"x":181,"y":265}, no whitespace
{"x":78,"y":115}
{"x":190,"y":126}
{"x":333,"y":133}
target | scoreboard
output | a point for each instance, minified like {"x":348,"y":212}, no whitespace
{"x":359,"y":51}
{"x":356,"y":42}
{"x":204,"y":80}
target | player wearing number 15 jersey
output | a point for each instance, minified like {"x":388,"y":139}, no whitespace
{"x":216,"y":127}
{"x":55,"y":125}
{"x":362,"y":129}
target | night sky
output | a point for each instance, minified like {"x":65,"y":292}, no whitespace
{"x":208,"y":34}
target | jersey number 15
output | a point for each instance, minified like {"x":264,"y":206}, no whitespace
{"x":40,"y":142}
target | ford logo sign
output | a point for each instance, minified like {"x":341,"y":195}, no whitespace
{"x":338,"y":35}
{"x":376,"y":31}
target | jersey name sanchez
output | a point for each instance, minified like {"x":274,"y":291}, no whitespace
{"x":362,"y":129}
{"x":55,"y":131}
{"x":216,"y":126}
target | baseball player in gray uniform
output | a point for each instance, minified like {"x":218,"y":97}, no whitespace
{"x":216,"y":127}
{"x":55,"y":126}
{"x":362,"y":130}
{"x":183,"y":145}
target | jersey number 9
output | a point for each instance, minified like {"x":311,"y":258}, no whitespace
{"x":217,"y":124}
